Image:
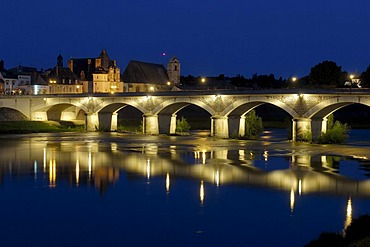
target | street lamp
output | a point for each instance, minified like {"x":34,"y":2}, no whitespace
{"x":294,"y":79}
{"x":203,"y":80}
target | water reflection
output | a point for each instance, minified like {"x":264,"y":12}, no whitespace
{"x":100,"y":164}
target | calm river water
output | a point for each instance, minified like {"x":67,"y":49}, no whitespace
{"x":111,"y":189}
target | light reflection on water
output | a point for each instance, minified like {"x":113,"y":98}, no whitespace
{"x":165,"y":191}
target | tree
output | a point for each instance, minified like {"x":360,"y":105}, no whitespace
{"x":253,"y":126}
{"x":327,"y":74}
{"x":365,"y":78}
{"x":336,"y":132}
{"x":182,"y":126}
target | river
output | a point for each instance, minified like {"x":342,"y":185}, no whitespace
{"x":112,"y":189}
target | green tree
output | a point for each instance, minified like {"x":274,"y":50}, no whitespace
{"x":253,"y":126}
{"x":336,"y":132}
{"x":365,"y":78}
{"x":327,"y":74}
{"x":182,"y":126}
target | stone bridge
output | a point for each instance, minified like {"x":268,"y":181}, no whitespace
{"x":308,"y":110}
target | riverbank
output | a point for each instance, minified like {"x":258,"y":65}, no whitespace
{"x":26,"y":127}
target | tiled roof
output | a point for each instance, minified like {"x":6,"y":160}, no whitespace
{"x":141,"y":72}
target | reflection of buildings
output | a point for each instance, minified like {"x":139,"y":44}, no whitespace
{"x":101,"y":164}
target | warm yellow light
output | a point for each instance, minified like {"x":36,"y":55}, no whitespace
{"x":168,"y":182}
{"x":148,"y":169}
{"x":52,"y":173}
{"x":168,"y":83}
{"x":201,"y":192}
{"x":77,"y":172}
{"x":151,"y":88}
{"x":294,"y":79}
{"x":300,"y":187}
{"x":77,"y":87}
{"x":204,"y":157}
{"x":203,"y":80}
{"x":89,"y":163}
{"x":348,"y":214}
{"x":351,"y":76}
{"x":217,"y":177}
{"x":292,"y":200}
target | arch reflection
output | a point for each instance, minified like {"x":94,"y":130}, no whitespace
{"x":100,"y":164}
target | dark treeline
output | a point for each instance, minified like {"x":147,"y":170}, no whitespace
{"x":326,"y":74}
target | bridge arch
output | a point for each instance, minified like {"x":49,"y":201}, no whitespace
{"x":11,"y":114}
{"x":236,"y":112}
{"x":319,"y":113}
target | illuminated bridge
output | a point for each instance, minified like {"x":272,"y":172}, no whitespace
{"x":308,"y":110}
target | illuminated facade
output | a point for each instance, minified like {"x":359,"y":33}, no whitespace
{"x":62,"y":80}
{"x":23,"y":81}
{"x":98,"y":75}
{"x":173,"y":71}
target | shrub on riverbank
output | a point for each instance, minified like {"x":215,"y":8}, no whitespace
{"x":356,"y":234}
{"x":182,"y":126}
{"x":336,"y":132}
{"x":253,"y":126}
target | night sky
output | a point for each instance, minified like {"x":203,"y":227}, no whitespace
{"x":209,"y":37}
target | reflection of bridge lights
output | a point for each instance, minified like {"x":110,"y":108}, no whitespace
{"x":44,"y":160}
{"x":167,"y":182}
{"x":348,"y":213}
{"x":300,"y":187}
{"x":201,"y":192}
{"x":113,"y":146}
{"x":89,"y":164}
{"x":77,"y":171}
{"x":52,"y":173}
{"x":148,"y":169}
{"x":217,"y":177}
{"x":241,"y":155}
{"x":266,"y":155}
{"x":292,"y":200}
{"x":35,"y":168}
{"x":204,"y":157}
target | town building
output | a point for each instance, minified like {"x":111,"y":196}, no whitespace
{"x":97,"y":75}
{"x":173,"y":71}
{"x":147,"y":77}
{"x":62,"y":80}
{"x":22,"y":80}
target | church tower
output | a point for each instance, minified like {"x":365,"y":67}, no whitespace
{"x":173,"y":70}
{"x":60,"y":61}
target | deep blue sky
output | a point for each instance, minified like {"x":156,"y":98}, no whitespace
{"x":209,"y":37}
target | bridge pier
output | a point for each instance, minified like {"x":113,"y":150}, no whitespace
{"x":301,"y":129}
{"x":319,"y":126}
{"x":39,"y":116}
{"x":219,"y":126}
{"x":167,"y":124}
{"x":236,"y":126}
{"x":150,"y":124}
{"x":92,"y":121}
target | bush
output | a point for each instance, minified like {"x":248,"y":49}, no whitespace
{"x":253,"y":126}
{"x":336,"y":132}
{"x":182,"y":126}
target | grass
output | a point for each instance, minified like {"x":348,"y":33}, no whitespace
{"x":26,"y":127}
